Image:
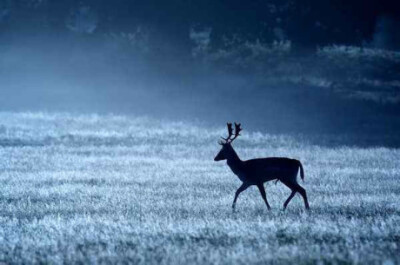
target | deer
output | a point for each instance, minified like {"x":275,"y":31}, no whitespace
{"x":260,"y":170}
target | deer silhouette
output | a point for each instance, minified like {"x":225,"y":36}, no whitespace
{"x":260,"y":170}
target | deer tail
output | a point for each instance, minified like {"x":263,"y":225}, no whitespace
{"x":301,"y":171}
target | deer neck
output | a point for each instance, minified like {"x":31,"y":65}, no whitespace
{"x":234,"y":161}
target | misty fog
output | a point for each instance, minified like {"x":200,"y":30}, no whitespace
{"x":90,"y":61}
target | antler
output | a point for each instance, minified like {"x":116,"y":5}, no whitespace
{"x":238,"y":129}
{"x":230,"y":132}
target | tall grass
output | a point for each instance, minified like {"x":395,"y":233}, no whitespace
{"x":91,"y":189}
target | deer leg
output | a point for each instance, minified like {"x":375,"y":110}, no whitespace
{"x":289,"y":199}
{"x":293,"y":187}
{"x":241,"y":188}
{"x":303,"y":193}
{"x":263,"y":194}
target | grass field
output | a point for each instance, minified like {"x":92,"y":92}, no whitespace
{"x":97,"y":189}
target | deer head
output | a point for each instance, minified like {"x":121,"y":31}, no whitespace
{"x":227,"y":149}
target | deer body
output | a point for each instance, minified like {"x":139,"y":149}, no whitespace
{"x":260,"y":170}
{"x":272,"y":168}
